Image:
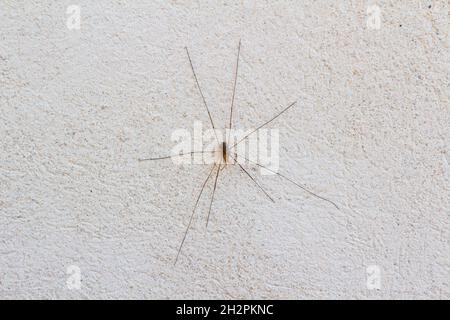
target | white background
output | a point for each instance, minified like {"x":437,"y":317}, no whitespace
{"x":370,"y":131}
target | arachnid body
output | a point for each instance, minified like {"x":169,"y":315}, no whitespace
{"x":226,"y":155}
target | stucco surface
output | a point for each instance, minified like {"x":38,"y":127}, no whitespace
{"x":370,"y":131}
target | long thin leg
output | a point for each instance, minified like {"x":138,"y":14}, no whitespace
{"x":234,"y":89}
{"x":176,"y":155}
{"x":265,"y":123}
{"x":201,"y":93}
{"x":290,"y":180}
{"x":212,"y":197}
{"x":193,"y":212}
{"x":262,"y":189}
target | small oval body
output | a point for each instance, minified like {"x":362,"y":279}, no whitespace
{"x":222,"y":153}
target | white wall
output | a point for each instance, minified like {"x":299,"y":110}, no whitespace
{"x":370,"y":131}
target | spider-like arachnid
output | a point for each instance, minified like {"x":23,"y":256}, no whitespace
{"x":224,"y":155}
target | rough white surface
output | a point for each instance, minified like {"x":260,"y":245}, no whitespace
{"x":79,"y":107}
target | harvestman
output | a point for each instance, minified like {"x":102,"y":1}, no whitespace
{"x":224,"y":155}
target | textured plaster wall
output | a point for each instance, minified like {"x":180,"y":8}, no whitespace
{"x":370,"y":131}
